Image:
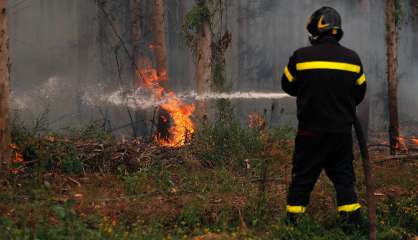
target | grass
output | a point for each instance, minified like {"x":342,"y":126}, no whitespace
{"x":210,"y":189}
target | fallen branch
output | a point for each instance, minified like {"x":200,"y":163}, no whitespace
{"x":398,"y":157}
{"x":378,"y":145}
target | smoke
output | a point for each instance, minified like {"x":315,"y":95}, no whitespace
{"x":48,"y":91}
{"x":60,"y":62}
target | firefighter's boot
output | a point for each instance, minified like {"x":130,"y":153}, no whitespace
{"x":293,"y":218}
{"x":352,"y":221}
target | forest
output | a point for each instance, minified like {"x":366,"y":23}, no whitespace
{"x":170,"y":119}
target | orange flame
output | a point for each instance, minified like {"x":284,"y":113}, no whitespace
{"x":415,"y":140}
{"x":182,"y":126}
{"x":401,"y":144}
{"x":17,"y":160}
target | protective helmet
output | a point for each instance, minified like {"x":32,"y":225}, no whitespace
{"x":325,"y":21}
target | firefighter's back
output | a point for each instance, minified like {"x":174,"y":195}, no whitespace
{"x":327,"y":76}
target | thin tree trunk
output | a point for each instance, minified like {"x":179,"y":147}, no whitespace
{"x":364,"y":108}
{"x":140,"y":125}
{"x":83,"y":53}
{"x":160,"y":48}
{"x":203,"y":63}
{"x":392,"y":62}
{"x":4,"y":85}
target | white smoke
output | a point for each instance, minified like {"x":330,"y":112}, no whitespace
{"x":52,"y":88}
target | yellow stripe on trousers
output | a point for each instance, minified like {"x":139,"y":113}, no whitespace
{"x":295,"y":209}
{"x":349,"y":207}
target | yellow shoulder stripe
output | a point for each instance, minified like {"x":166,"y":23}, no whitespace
{"x":361,"y":80}
{"x":328,"y":65}
{"x":349,"y":207}
{"x":288,"y":74}
{"x":295,"y":209}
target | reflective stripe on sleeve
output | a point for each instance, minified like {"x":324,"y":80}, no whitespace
{"x":288,"y":75}
{"x":349,"y":207}
{"x":361,"y":80}
{"x":328,"y":65}
{"x":295,"y":209}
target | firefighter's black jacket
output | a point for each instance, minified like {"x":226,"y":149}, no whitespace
{"x":329,"y":82}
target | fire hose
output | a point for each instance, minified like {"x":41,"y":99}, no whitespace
{"x":367,"y":168}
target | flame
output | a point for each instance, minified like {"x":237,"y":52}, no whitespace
{"x":415,"y":140}
{"x":180,"y":112}
{"x":182,"y":125}
{"x":401,"y":144}
{"x":17,"y":161}
{"x":404,"y":143}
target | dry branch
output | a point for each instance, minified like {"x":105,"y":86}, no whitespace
{"x":398,"y":157}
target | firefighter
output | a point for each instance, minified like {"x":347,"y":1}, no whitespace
{"x":328,"y":81}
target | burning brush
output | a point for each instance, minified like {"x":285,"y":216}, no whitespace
{"x":17,"y":161}
{"x":174,"y":121}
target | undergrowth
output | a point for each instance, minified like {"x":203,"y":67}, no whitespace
{"x":224,"y":143}
{"x":228,"y":183}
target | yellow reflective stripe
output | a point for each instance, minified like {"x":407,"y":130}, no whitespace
{"x":295,"y":209}
{"x":349,"y":207}
{"x":288,"y":74}
{"x":328,"y":65}
{"x":361,"y":80}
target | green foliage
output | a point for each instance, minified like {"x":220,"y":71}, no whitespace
{"x":137,"y":183}
{"x":22,"y":134}
{"x":283,"y":133}
{"x":59,"y":156}
{"x":53,"y":151}
{"x":191,"y":215}
{"x":96,"y":132}
{"x":224,"y":142}
{"x":400,"y":13}
{"x":196,"y":16}
{"x":225,"y":107}
{"x":307,"y":229}
{"x":219,"y":79}
{"x":148,"y":181}
{"x":401,"y":214}
{"x":193,"y":20}
{"x":225,"y":110}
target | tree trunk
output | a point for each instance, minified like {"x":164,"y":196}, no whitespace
{"x":391,"y":38}
{"x":140,"y":125}
{"x":203,"y":63}
{"x":82,"y":54}
{"x":4,"y":85}
{"x":160,"y":47}
{"x":364,"y":108}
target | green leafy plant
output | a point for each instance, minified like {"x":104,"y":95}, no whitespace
{"x":224,"y":142}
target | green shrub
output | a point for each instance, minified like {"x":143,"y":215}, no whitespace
{"x":283,"y":133}
{"x":137,"y":183}
{"x":58,"y":151}
{"x":401,"y":213}
{"x":223,"y":143}
{"x":191,"y":215}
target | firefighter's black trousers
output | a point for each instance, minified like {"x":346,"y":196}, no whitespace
{"x":332,"y":152}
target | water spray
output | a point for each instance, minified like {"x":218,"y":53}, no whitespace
{"x":140,"y":99}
